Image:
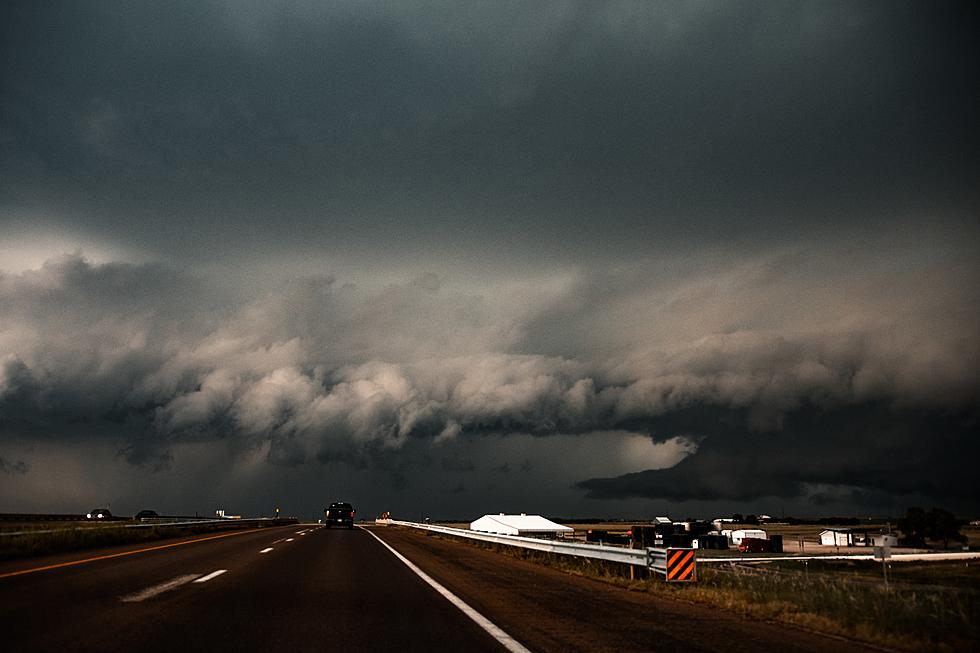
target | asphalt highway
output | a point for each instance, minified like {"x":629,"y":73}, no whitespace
{"x":306,"y":588}
{"x":295,"y":588}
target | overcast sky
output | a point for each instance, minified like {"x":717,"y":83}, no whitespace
{"x":598,"y":258}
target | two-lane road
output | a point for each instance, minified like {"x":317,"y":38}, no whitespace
{"x":292,"y":588}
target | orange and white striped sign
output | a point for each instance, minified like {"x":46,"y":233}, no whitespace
{"x":681,"y":566}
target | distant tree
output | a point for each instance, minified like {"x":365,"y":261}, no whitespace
{"x":943,"y":525}
{"x":937,"y":525}
{"x":914,"y":526}
{"x":737,"y":518}
{"x":751,"y":519}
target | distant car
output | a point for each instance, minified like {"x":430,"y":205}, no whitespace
{"x":145,"y":514}
{"x":341,"y":514}
{"x":99,"y":514}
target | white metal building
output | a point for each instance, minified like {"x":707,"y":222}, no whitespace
{"x":522,"y":524}
{"x":837,"y":537}
{"x":737,"y":536}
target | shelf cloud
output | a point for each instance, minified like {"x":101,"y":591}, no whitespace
{"x":832,"y":388}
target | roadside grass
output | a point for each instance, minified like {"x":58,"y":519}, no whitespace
{"x":927,"y":607}
{"x":937,"y":615}
{"x":65,"y":540}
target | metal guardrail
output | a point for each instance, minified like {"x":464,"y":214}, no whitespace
{"x":650,"y":558}
{"x":938,"y":556}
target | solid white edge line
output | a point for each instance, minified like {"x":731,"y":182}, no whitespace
{"x":505,"y":640}
{"x":213,"y":574}
{"x":266,"y":550}
{"x":150,"y":592}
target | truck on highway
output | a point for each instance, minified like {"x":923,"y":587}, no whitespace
{"x":339,"y":513}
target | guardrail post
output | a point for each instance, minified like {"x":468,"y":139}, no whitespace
{"x":655,"y":560}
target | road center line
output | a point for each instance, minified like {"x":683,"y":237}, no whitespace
{"x":213,"y":574}
{"x":150,"y":592}
{"x":124,"y":553}
{"x":266,"y":550}
{"x":503,"y":638}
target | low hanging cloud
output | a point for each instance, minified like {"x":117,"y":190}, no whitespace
{"x":13,"y":466}
{"x":774,"y":373}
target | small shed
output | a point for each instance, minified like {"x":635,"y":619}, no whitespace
{"x":884,"y":539}
{"x":837,"y":537}
{"x":522,"y":524}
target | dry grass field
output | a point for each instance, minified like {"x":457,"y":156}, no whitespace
{"x":925,"y":606}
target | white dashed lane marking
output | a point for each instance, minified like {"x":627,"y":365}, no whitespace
{"x":150,"y":592}
{"x":266,"y":550}
{"x":213,"y":574}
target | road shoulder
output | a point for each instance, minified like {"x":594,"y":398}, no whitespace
{"x":548,"y":610}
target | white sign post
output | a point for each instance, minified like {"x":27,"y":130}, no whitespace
{"x":883,"y":553}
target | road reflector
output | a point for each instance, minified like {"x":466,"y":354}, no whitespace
{"x":681,"y":566}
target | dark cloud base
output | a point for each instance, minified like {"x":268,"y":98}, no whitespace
{"x":871,"y":448}
{"x":13,"y":467}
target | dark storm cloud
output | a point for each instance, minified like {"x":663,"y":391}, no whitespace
{"x":745,"y":231}
{"x":15,"y":467}
{"x":819,"y":393}
{"x":374,"y":124}
{"x":457,"y":464}
{"x":873,"y":447}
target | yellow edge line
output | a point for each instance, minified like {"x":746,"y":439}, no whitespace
{"x":124,"y":553}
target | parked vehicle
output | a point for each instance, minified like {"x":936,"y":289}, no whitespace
{"x":145,"y":514}
{"x":340,"y":514}
{"x":755,"y":545}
